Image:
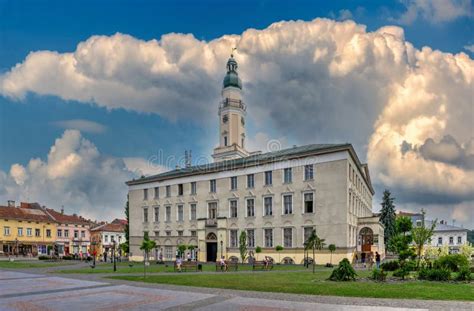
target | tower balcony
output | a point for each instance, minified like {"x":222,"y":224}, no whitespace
{"x":235,"y":103}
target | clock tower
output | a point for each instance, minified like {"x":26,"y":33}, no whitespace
{"x":232,"y":112}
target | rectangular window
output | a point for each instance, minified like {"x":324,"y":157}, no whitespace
{"x":193,"y":233}
{"x":157,"y":192}
{"x":66,"y":233}
{"x":180,"y":232}
{"x":268,"y":233}
{"x":106,"y":238}
{"x":168,"y":191}
{"x":83,"y":234}
{"x":233,"y":183}
{"x":440,"y":241}
{"x":168,"y":233}
{"x":193,"y":211}
{"x":157,"y":233}
{"x":48,"y":233}
{"x":145,"y":194}
{"x":250,"y":181}
{"x":212,"y":185}
{"x":308,"y":203}
{"x":288,"y":237}
{"x":268,"y":178}
{"x":459,"y":240}
{"x":287,"y":204}
{"x":60,"y":233}
{"x":180,"y":189}
{"x":76,"y":234}
{"x":212,"y":210}
{"x":168,"y":252}
{"x":233,"y":208}
{"x":234,"y":238}
{"x":251,"y":238}
{"x":180,"y":213}
{"x":145,"y":215}
{"x":250,"y":207}
{"x":168,"y":213}
{"x":20,"y":231}
{"x":308,"y":172}
{"x":29,"y":232}
{"x":451,"y":240}
{"x":307,"y":231}
{"x":268,"y":206}
{"x":287,"y":175}
{"x":193,"y":188}
{"x":6,"y":231}
{"x":157,"y":213}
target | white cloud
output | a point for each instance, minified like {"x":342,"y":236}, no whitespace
{"x":310,"y":82}
{"x":470,"y":48}
{"x":434,"y":11}
{"x":75,"y":174}
{"x":81,"y":125}
{"x":141,"y":166}
{"x":264,"y":143}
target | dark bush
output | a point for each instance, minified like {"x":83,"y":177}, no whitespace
{"x":453,"y":262}
{"x":43,"y":257}
{"x":67,"y":257}
{"x":441,"y":274}
{"x":344,"y":272}
{"x":464,"y":274}
{"x":401,"y":273}
{"x":379,"y":275}
{"x":409,"y":265}
{"x":390,"y":265}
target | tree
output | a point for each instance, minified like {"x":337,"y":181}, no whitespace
{"x":387,"y":216}
{"x":279,"y":248}
{"x":314,"y":243}
{"x":181,"y":249}
{"x":332,"y":249}
{"x":258,"y":250}
{"x":401,"y":240}
{"x":146,"y":247}
{"x":126,"y":247}
{"x":243,"y":246}
{"x":421,"y":235}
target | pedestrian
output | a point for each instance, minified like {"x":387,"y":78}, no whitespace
{"x":178,"y":263}
{"x":377,"y":259}
{"x":105,"y":256}
{"x":189,"y":257}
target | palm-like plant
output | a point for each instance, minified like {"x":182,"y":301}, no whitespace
{"x":314,"y":243}
{"x":332,"y":249}
{"x":146,"y":247}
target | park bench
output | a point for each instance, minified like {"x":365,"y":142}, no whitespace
{"x":261,"y":265}
{"x":231,"y":265}
{"x":187,"y":266}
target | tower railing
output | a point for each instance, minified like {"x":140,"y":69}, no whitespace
{"x":229,"y":102}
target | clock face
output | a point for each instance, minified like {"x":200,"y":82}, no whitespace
{"x":225,"y":118}
{"x":242,"y":120}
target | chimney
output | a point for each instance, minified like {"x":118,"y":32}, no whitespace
{"x":24,"y":205}
{"x":11,"y":203}
{"x":62,"y":209}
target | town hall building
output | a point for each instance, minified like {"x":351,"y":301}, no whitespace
{"x":278,"y":198}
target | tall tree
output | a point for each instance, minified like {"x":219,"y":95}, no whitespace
{"x":126,"y":246}
{"x":314,"y":243}
{"x":387,"y":216}
{"x":243,"y":245}
{"x":422,"y":235}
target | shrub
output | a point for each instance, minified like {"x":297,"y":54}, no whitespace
{"x":441,"y":274}
{"x":43,"y":257}
{"x":409,"y":265}
{"x":344,"y":272}
{"x":464,"y":274}
{"x":379,"y":275}
{"x":390,"y":265}
{"x":401,"y":273}
{"x":454,"y":262}
{"x":67,"y":257}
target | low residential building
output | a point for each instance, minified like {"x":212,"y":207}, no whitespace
{"x":26,"y":230}
{"x":72,"y":233}
{"x":105,"y":236}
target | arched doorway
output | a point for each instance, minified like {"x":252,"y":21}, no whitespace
{"x":366,"y":239}
{"x":211,"y":247}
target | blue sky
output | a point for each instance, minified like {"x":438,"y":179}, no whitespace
{"x":30,"y":125}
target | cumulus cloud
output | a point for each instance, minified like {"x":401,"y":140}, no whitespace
{"x":81,"y":125}
{"x":434,"y":11}
{"x":75,"y":174}
{"x":311,"y":82}
{"x":470,"y":48}
{"x":141,"y":166}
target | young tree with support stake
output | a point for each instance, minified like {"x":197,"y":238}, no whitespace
{"x":422,"y":235}
{"x":146,"y":247}
{"x":314,"y":243}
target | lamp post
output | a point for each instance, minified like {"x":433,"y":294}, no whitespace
{"x":94,"y":251}
{"x":16,"y":247}
{"x":113,"y":256}
{"x":222,"y":242}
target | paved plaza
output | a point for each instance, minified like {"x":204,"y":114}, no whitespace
{"x":32,"y":291}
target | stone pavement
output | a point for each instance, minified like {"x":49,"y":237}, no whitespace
{"x":28,"y":291}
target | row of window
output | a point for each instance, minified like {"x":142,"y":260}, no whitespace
{"x":179,"y":233}
{"x":268,"y":207}
{"x":65,"y":232}
{"x":29,"y":232}
{"x":112,"y":238}
{"x":268,"y":181}
{"x":451,"y":240}
{"x":288,"y":237}
{"x":357,"y":206}
{"x":357,"y":181}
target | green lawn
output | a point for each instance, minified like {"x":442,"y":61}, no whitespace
{"x":29,"y":265}
{"x":124,"y":267}
{"x":316,"y":284}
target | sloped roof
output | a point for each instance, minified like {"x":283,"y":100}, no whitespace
{"x":112,"y":227}
{"x":444,"y":227}
{"x":255,"y":160}
{"x":68,"y":219}
{"x":28,"y":214}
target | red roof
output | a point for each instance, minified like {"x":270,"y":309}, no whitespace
{"x":112,"y":227}
{"x":67,"y":219}
{"x":119,"y":221}
{"x":31,"y":213}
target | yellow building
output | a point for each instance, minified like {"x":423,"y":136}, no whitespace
{"x":26,"y":230}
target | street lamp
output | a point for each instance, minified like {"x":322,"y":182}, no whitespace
{"x":222,"y":242}
{"x":113,"y":256}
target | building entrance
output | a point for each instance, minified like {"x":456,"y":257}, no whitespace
{"x":211,"y":251}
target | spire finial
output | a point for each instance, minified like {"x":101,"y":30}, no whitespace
{"x":232,"y":51}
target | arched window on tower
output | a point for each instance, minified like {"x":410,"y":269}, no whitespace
{"x":243,"y":140}
{"x":225,"y":140}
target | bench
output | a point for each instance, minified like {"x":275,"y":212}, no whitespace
{"x":231,"y":265}
{"x":261,"y":265}
{"x":187,"y":266}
